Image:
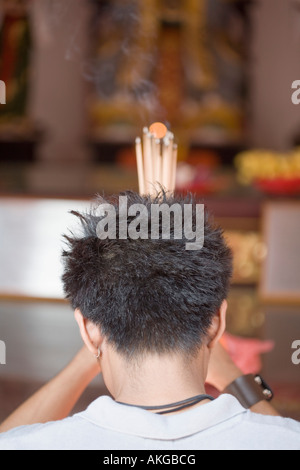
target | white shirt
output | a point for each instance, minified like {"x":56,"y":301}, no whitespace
{"x":105,"y":424}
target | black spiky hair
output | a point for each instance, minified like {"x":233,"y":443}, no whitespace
{"x":147,"y":295}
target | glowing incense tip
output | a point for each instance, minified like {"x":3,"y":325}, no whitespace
{"x":158,"y":129}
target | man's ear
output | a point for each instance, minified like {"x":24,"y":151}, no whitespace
{"x":90,"y":333}
{"x":218,"y":326}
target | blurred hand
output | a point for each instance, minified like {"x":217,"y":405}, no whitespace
{"x":86,"y":363}
{"x":233,"y":357}
{"x":222,"y":371}
{"x":246,"y":352}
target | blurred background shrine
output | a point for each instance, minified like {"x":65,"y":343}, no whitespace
{"x":82,"y":79}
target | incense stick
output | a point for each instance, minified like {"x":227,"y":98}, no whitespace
{"x":148,"y":169}
{"x":173,"y":168}
{"x":140,"y":166}
{"x":156,"y":160}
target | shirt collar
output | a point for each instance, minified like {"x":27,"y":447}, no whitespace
{"x":108,"y":414}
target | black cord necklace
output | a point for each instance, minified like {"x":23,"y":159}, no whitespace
{"x":172,"y":407}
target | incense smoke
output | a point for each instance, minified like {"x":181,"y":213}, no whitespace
{"x":112,"y":29}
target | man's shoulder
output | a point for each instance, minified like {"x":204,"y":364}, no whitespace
{"x":279,"y":422}
{"x":285,"y":431}
{"x":244,"y":429}
{"x":38,"y":435}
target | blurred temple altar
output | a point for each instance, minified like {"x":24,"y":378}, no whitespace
{"x":181,"y":62}
{"x":18,"y":133}
{"x":15,"y":50}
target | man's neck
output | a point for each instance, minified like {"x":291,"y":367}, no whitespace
{"x":158,"y":380}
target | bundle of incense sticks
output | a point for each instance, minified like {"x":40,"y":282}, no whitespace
{"x":156,"y":155}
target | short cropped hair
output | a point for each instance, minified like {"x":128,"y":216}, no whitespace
{"x":147,"y":296}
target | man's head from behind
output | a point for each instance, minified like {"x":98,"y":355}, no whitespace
{"x":147,"y":295}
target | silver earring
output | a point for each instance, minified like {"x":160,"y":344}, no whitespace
{"x":99,"y":354}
